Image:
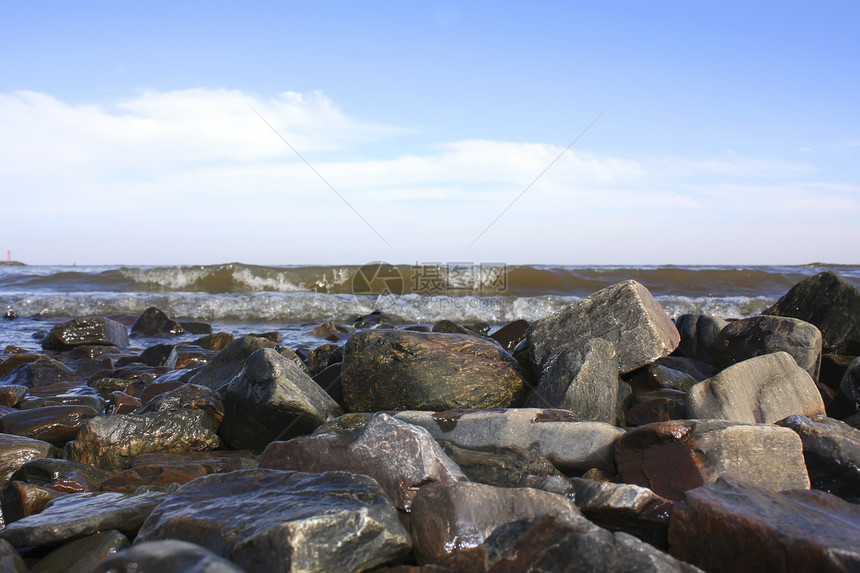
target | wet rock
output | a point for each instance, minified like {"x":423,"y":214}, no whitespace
{"x":331,"y":331}
{"x":225,"y":365}
{"x":197,"y":328}
{"x":109,"y":442}
{"x":572,"y":446}
{"x":399,"y":370}
{"x":511,"y":334}
{"x":655,"y":376}
{"x":188,"y":356}
{"x":156,"y":355}
{"x":448,"y":517}
{"x":831,"y":304}
{"x":61,"y":475}
{"x":625,"y":507}
{"x":84,"y":554}
{"x":168,"y":556}
{"x":320,"y":357}
{"x":699,"y":335}
{"x":400,"y":456}
{"x":584,"y":381}
{"x":760,"y":390}
{"x":789,"y":531}
{"x":11,"y":394}
{"x":847,"y":401}
{"x":833,"y":367}
{"x":270,"y":520}
{"x":450,"y":327}
{"x":271,"y":399}
{"x":624,"y":314}
{"x":20,"y":499}
{"x":17,"y":360}
{"x":39,"y":373}
{"x":80,"y":514}
{"x":81,"y":331}
{"x":107,"y":386}
{"x":10,"y":560}
{"x":564,"y":542}
{"x":673,"y":457}
{"x":330,"y":379}
{"x":658,"y":409}
{"x":375,"y":318}
{"x":750,"y":337}
{"x":188,"y":396}
{"x":152,"y":477}
{"x":122,"y":403}
{"x":213,"y":462}
{"x":216,"y":341}
{"x":94,"y":402}
{"x":154,"y":322}
{"x":54,"y":424}
{"x":502,"y":467}
{"x":832,"y":452}
{"x":15,"y":451}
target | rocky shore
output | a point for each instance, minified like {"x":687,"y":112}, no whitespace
{"x":604,"y":437}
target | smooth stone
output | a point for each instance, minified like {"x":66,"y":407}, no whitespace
{"x":696,"y":368}
{"x":186,"y":356}
{"x":673,"y":457}
{"x":11,"y":394}
{"x":107,"y":386}
{"x":750,"y":337}
{"x":564,"y":542}
{"x":511,"y":334}
{"x":760,"y":390}
{"x":20,"y":499}
{"x":10,"y":560}
{"x":81,"y":331}
{"x":699,"y":335}
{"x":832,"y":452}
{"x":14,"y":361}
{"x":84,"y":554}
{"x":168,"y":556}
{"x":833,"y":367}
{"x":95,"y":402}
{"x":847,"y":401}
{"x":152,"y":477}
{"x":155,"y":389}
{"x":658,"y":409}
{"x":625,"y":507}
{"x":154,"y":322}
{"x":330,"y":331}
{"x":196,"y":328}
{"x":124,"y":404}
{"x":624,"y":314}
{"x":583,"y":381}
{"x":157,"y":355}
{"x":272,"y":398}
{"x":401,"y":370}
{"x":190,"y":397}
{"x":216,"y":341}
{"x":61,"y":475}
{"x":501,"y":467}
{"x":655,"y":376}
{"x":831,"y":304}
{"x":229,"y":362}
{"x":110,"y":442}
{"x":53,"y":424}
{"x":39,"y":373}
{"x":269,"y":520}
{"x":448,"y":517}
{"x":213,"y":461}
{"x":79,"y":514}
{"x":398,"y":455}
{"x":571,"y":445}
{"x":15,"y":451}
{"x":330,"y":379}
{"x":450,"y":327}
{"x":320,"y":357}
{"x":735,"y":528}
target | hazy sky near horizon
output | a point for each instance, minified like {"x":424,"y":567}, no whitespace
{"x":132,"y":133}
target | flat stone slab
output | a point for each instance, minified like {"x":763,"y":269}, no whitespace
{"x":15,"y":451}
{"x":571,"y":445}
{"x":731,"y":527}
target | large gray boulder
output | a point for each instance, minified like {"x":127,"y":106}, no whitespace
{"x":761,"y":390}
{"x":272,"y":398}
{"x":624,"y":314}
{"x":401,"y":370}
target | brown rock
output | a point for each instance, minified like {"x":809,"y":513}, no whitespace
{"x":154,"y":322}
{"x":54,"y":424}
{"x":158,"y":477}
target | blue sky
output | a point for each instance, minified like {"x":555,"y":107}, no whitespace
{"x":130,"y":134}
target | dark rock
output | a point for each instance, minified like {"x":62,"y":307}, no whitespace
{"x":10,"y":314}
{"x":270,"y":399}
{"x":157,"y":355}
{"x":320,"y":357}
{"x":80,"y":514}
{"x":832,"y":452}
{"x":660,"y":409}
{"x":502,"y":467}
{"x":107,"y":386}
{"x":450,"y":327}
{"x":39,"y":373}
{"x":760,"y":390}
{"x":831,"y":304}
{"x":400,"y":456}
{"x":11,"y":394}
{"x":377,"y":317}
{"x":188,"y":396}
{"x":109,"y":442}
{"x":699,"y":335}
{"x":697,"y":369}
{"x":17,"y":360}
{"x":330,"y":379}
{"x":847,"y":401}
{"x":673,"y":457}
{"x":152,"y":477}
{"x":399,"y":369}
{"x":213,"y":462}
{"x":168,"y":556}
{"x":122,"y":403}
{"x":196,"y":328}
{"x":447,"y":517}
{"x":61,"y":475}
{"x":833,"y":367}
{"x":15,"y":451}
{"x":94,"y":402}
{"x":269,"y":520}
{"x":225,"y":365}
{"x":564,"y":542}
{"x":155,"y":389}
{"x":757,"y":335}
{"x":511,"y":334}
{"x":154,"y":322}
{"x":625,"y":507}
{"x":571,"y":445}
{"x":624,"y":314}
{"x":330,"y":331}
{"x":84,"y":554}
{"x":188,"y":356}
{"x":789,"y":531}
{"x":217,"y":341}
{"x":54,"y":424}
{"x":654,"y":376}
{"x":10,"y":560}
{"x":86,"y":331}
{"x":273,"y":336}
{"x":20,"y":499}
